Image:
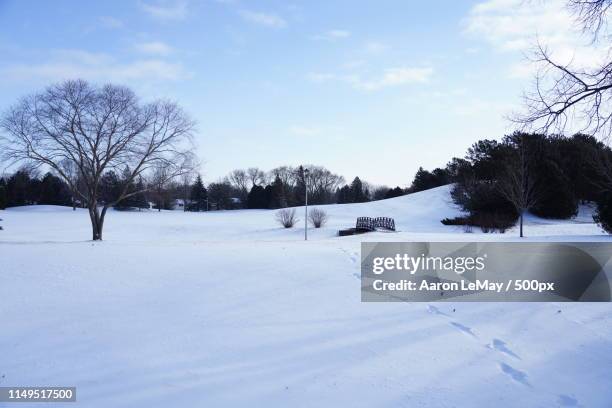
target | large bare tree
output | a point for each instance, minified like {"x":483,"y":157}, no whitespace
{"x":566,"y":93}
{"x":96,"y":130}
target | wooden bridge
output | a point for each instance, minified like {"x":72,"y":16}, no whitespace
{"x":368,"y":224}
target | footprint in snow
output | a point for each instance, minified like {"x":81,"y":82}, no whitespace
{"x":501,"y":346}
{"x":354,"y":257}
{"x":516,"y":375}
{"x":464,"y":329}
{"x":434,"y":310}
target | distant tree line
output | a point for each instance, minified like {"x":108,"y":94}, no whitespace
{"x":251,"y":188}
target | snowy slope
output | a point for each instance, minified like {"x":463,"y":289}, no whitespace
{"x":417,"y":216}
{"x":227,"y":309}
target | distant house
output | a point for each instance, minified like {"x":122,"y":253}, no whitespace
{"x":179,"y":204}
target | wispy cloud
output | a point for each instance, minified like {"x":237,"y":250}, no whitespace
{"x":375,"y":47}
{"x":67,"y":64}
{"x":264,"y":19}
{"x":299,"y":130}
{"x":110,"y":22}
{"x":395,"y":77}
{"x":390,"y":77}
{"x":165,"y":10}
{"x":517,"y":25}
{"x":321,"y":76}
{"x":332,"y":35}
{"x":154,"y":48}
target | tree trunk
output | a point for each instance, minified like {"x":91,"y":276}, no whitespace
{"x":521,"y":224}
{"x":97,"y":222}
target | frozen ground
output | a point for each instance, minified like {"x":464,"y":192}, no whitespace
{"x":227,"y":309}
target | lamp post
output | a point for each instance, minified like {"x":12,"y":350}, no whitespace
{"x":306,"y":172}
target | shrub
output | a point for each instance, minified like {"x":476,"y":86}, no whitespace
{"x":317,"y":217}
{"x":487,"y":221}
{"x":456,"y":221}
{"x":286,"y":217}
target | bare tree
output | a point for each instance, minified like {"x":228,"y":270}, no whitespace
{"x":256,"y":176}
{"x":98,"y":129}
{"x":592,"y":15}
{"x":286,"y":174}
{"x":239,"y":179}
{"x":322,"y":184}
{"x":517,"y":183}
{"x":186,"y":179}
{"x":567,"y":92}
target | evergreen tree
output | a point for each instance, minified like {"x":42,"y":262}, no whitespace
{"x":141,"y":200}
{"x":424,"y":180}
{"x":300,"y":187}
{"x":137,"y":200}
{"x":344,"y":195}
{"x":603,"y":215}
{"x":3,"y":194}
{"x":19,"y":189}
{"x":199,"y":196}
{"x":277,"y":196}
{"x":257,"y":198}
{"x":358,"y":194}
{"x":220,"y":195}
{"x":394,"y":192}
{"x":53,"y":191}
{"x":557,"y":198}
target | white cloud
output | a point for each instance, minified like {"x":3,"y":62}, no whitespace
{"x":304,"y":130}
{"x":154,"y":48}
{"x":390,"y":77}
{"x":165,"y":10}
{"x":517,"y":25}
{"x":513,"y":24}
{"x":321,"y":76}
{"x":375,"y":47}
{"x":264,"y":19}
{"x":110,"y":22}
{"x":333,"y":35}
{"x":69,"y":64}
{"x":395,"y":77}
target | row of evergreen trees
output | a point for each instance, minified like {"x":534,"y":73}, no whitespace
{"x":496,"y":182}
{"x":22,"y":188}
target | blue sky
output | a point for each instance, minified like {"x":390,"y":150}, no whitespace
{"x":368,"y":88}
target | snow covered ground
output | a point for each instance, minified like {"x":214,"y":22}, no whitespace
{"x":228,"y":309}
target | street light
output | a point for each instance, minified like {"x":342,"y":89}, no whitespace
{"x":306,"y":172}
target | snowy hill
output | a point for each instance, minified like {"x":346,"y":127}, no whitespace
{"x":229,"y":309}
